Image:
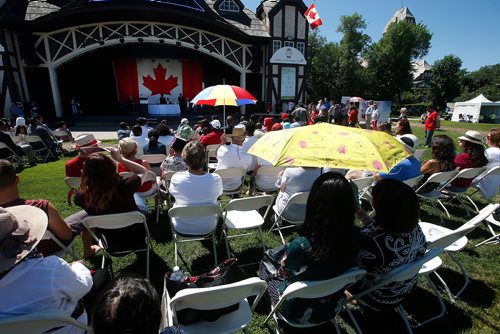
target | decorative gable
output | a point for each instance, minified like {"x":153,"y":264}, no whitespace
{"x":229,"y":6}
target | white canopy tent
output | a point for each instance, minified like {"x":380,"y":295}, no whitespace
{"x":476,"y":107}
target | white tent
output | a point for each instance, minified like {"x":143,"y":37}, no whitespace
{"x":475,"y":108}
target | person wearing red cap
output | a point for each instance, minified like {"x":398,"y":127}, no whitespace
{"x":276,"y":127}
{"x":87,"y":144}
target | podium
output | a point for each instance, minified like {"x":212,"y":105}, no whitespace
{"x":164,"y":109}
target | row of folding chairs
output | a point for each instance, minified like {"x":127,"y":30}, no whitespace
{"x":39,"y":149}
{"x":439,"y":241}
{"x":444,"y":179}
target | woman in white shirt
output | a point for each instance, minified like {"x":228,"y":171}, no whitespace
{"x":489,"y":185}
{"x":292,"y":181}
{"x":195,"y":187}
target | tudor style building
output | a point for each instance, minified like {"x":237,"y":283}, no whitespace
{"x":107,"y":54}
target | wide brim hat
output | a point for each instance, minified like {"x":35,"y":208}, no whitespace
{"x":472,"y":137}
{"x":409,"y":141}
{"x":238,"y":131}
{"x":86,"y":140}
{"x":30,"y":219}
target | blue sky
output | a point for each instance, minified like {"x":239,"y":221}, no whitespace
{"x":469,"y":29}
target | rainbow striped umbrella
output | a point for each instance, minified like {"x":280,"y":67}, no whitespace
{"x":224,"y":95}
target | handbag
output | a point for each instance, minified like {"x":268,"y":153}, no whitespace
{"x":270,"y":264}
{"x":224,"y":273}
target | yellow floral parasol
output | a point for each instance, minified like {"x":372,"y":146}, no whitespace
{"x":328,"y":145}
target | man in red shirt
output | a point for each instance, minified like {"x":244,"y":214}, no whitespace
{"x":430,"y":125}
{"x":352,"y":119}
{"x":87,"y":144}
{"x":213,"y":137}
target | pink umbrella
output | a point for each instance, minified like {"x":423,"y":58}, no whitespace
{"x":355,"y":99}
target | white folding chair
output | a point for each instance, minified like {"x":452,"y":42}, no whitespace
{"x":419,"y":154}
{"x":364,"y":186}
{"x":64,"y":249}
{"x":39,"y":147}
{"x":11,"y":155}
{"x":495,"y":237}
{"x":231,"y":174}
{"x":73,"y":182}
{"x":267,"y":172}
{"x":399,"y":274}
{"x":494,"y":171}
{"x":211,"y":299}
{"x":243,"y":214}
{"x":299,"y":199}
{"x":154,"y":161}
{"x":117,"y":221}
{"x":435,"y":232}
{"x":39,"y":322}
{"x":443,"y":178}
{"x":150,"y":177}
{"x":314,"y":289}
{"x":206,"y":211}
{"x":166,"y":183}
{"x":413,"y":181}
{"x":211,"y":158}
{"x":467,"y":173}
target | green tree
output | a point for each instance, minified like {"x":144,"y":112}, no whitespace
{"x":485,"y":81}
{"x":350,"y":77}
{"x":322,"y":58}
{"x":390,"y":59}
{"x":446,"y":82}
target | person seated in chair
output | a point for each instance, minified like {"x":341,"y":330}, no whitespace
{"x":102,"y":191}
{"x":291,"y":181}
{"x":44,"y":132}
{"x":195,"y":187}
{"x":30,"y":282}
{"x":129,"y":304}
{"x":87,"y":144}
{"x":391,"y":239}
{"x":327,"y":246}
{"x":63,"y":230}
{"x":21,"y":150}
{"x":232,"y":155}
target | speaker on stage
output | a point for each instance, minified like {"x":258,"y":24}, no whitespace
{"x":27,"y":46}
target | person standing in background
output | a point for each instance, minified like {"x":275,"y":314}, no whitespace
{"x":430,"y":125}
{"x":368,"y":115}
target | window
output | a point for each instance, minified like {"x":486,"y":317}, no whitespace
{"x":301,"y":46}
{"x":290,"y":44}
{"x":229,"y":6}
{"x":276,"y":46}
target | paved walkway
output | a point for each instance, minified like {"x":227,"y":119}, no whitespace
{"x":100,"y":135}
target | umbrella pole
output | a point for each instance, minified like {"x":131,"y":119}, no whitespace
{"x":224,"y":116}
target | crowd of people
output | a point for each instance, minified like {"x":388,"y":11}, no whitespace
{"x":328,"y":242}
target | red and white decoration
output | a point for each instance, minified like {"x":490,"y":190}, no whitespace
{"x":146,"y":78}
{"x":312,"y":17}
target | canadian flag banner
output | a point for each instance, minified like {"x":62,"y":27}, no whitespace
{"x":159,"y":76}
{"x":145,"y":78}
{"x":312,"y":17}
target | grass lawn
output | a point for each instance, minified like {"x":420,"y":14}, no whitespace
{"x":477,"y":311}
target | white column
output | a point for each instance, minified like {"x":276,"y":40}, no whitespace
{"x":55,"y":92}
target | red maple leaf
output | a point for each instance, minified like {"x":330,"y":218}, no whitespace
{"x":159,"y":85}
{"x":312,"y":15}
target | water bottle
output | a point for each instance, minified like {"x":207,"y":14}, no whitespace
{"x":176,"y":274}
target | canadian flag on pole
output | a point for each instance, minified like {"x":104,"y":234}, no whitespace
{"x":312,"y":17}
